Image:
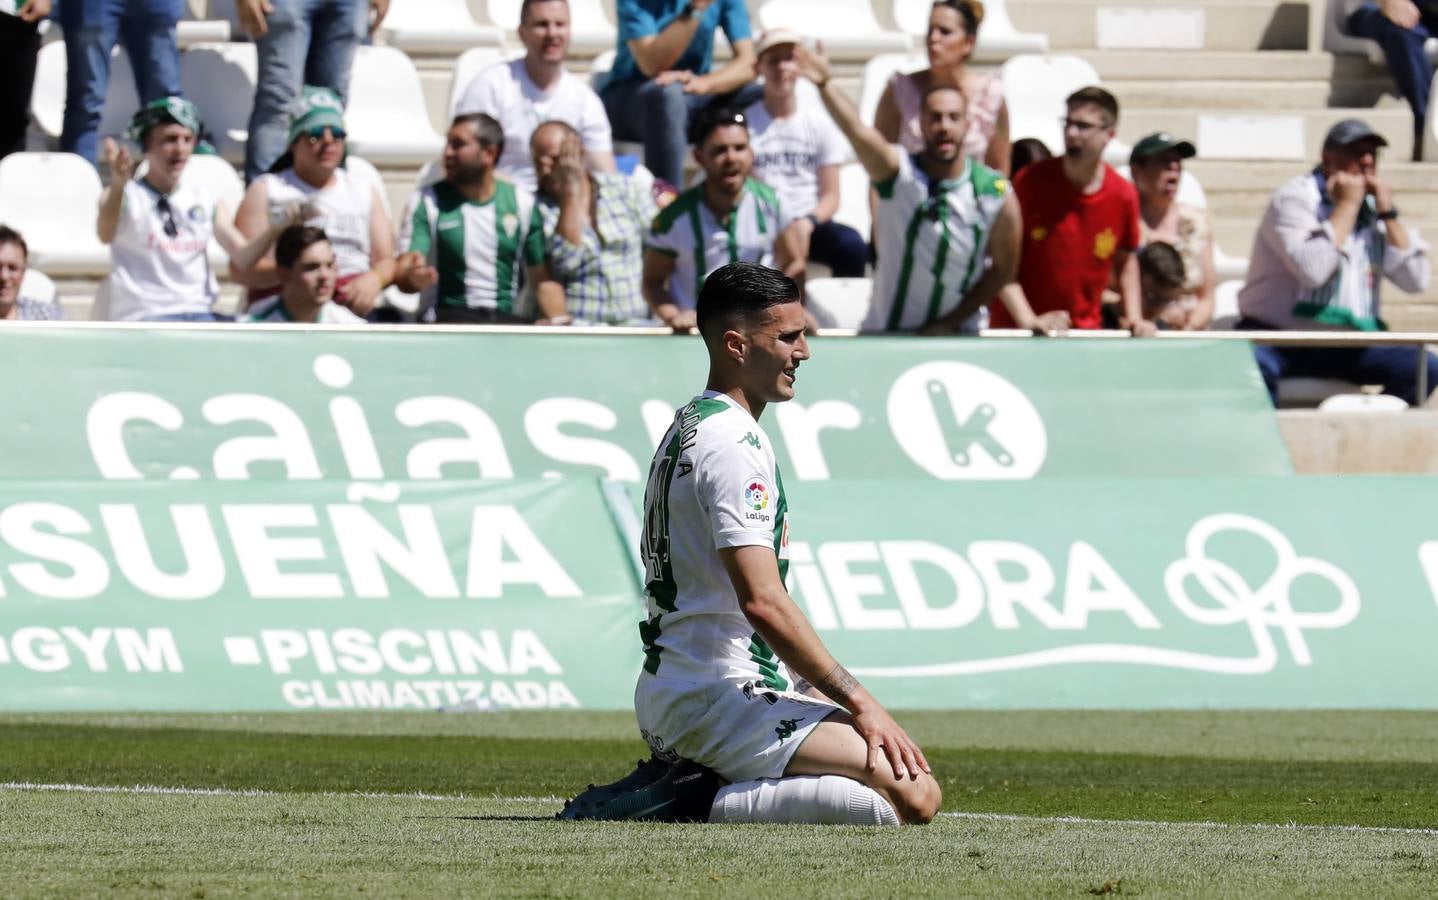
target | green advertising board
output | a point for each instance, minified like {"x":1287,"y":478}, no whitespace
{"x":264,"y":404}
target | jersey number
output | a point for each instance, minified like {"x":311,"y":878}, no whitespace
{"x":656,"y":520}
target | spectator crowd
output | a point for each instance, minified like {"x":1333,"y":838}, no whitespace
{"x":531,"y":221}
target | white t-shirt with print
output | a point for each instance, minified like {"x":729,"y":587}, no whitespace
{"x":154,"y":273}
{"x":506,"y":92}
{"x":344,"y":213}
{"x":788,"y":153}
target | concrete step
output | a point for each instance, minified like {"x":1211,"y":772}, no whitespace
{"x":1226,"y":24}
{"x":1236,"y":95}
{"x":1232,"y":65}
{"x":1262,"y":176}
{"x":1311,"y":124}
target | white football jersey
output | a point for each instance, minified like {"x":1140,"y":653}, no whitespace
{"x":344,"y":213}
{"x":714,"y":483}
{"x":157,"y":273}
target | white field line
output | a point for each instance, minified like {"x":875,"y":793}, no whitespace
{"x":419,"y":795}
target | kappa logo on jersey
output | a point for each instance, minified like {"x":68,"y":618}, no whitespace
{"x":510,"y":223}
{"x":958,"y":421}
{"x":756,"y":496}
{"x":751,"y":439}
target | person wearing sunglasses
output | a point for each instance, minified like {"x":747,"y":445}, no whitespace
{"x":347,"y":206}
{"x":158,"y":225}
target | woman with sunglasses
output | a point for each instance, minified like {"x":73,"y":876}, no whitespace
{"x":159,"y":225}
{"x":349,"y":208}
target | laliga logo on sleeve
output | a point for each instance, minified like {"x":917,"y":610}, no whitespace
{"x":756,"y":495}
{"x":960,"y":422}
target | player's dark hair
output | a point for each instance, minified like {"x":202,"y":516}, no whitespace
{"x":294,"y":240}
{"x":524,"y":8}
{"x":1024,"y":152}
{"x":740,"y":293}
{"x":486,"y":128}
{"x":713,"y":118}
{"x":9,"y":235}
{"x":972,"y":13}
{"x":1163,"y":264}
{"x":1098,"y":97}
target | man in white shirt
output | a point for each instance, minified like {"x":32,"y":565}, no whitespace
{"x":1326,"y":242}
{"x":522,"y":94}
{"x":308,"y":273}
{"x":798,"y":152}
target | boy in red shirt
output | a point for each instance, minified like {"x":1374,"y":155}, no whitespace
{"x":1080,"y":228}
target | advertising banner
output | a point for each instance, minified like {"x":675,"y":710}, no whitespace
{"x":263,"y":404}
{"x":190,"y":596}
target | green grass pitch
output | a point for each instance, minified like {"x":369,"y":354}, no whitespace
{"x":1065,"y":804}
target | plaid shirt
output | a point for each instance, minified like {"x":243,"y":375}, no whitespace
{"x":601,"y":277}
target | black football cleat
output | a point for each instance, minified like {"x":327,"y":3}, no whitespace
{"x":588,"y":803}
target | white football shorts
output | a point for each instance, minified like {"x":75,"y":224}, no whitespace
{"x":742,"y":730}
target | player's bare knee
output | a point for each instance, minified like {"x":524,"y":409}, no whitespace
{"x":918,"y":800}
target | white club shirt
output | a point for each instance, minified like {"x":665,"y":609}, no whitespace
{"x":344,"y":213}
{"x":154,"y":273}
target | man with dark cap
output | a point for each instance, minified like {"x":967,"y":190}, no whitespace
{"x":1323,"y":248}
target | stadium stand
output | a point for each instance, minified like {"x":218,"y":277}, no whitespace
{"x":387,"y":118}
{"x":848,"y":28}
{"x":1035,"y":86}
{"x":436,"y":26}
{"x":220,"y":79}
{"x":51,"y":198}
{"x":839,"y":302}
{"x":47,"y":101}
{"x":469,"y":64}
{"x":998,"y":38}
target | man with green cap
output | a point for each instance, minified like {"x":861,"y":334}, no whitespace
{"x":349,"y":208}
{"x":159,"y":226}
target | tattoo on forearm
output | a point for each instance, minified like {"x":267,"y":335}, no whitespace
{"x":838,"y":685}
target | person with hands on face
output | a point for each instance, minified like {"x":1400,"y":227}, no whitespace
{"x":471,"y":241}
{"x":19,"y":50}
{"x":159,"y":226}
{"x":662,"y":74}
{"x":947,"y":227}
{"x":1326,"y":242}
{"x":594,"y":228}
{"x":748,"y":715}
{"x":299,"y":42}
{"x":1081,"y":228}
{"x":349,"y":208}
{"x":728,"y":217}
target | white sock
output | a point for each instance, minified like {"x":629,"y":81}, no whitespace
{"x":802,"y":799}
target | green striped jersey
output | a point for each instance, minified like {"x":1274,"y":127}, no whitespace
{"x":688,"y":230}
{"x":479,"y":249}
{"x":714,"y":484}
{"x":932,"y":240}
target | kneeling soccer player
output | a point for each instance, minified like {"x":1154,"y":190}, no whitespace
{"x":713,"y":700}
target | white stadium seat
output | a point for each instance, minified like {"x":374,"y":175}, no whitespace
{"x":1430,"y":127}
{"x":362,"y":168}
{"x":220,"y":80}
{"x":590,"y":28}
{"x":38,"y":285}
{"x":52,"y":199}
{"x":436,"y":26}
{"x":469,"y":64}
{"x":189,"y":32}
{"x":839,"y":302}
{"x":1363,"y":403}
{"x":854,"y":199}
{"x":847,"y":27}
{"x":387,"y":119}
{"x":47,"y":100}
{"x":1225,"y":305}
{"x":998,"y":38}
{"x":1035,"y":88}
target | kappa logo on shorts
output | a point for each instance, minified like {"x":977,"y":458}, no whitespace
{"x":787,"y":727}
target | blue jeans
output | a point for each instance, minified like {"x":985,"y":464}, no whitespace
{"x":1396,"y":368}
{"x":659,"y":117}
{"x":146,"y":28}
{"x":1403,"y":48}
{"x":308,"y":42}
{"x":187,"y":317}
{"x":839,"y":247}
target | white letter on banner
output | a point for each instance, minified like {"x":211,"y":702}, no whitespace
{"x":527,"y":651}
{"x":105,"y":429}
{"x":420,"y":558}
{"x":1092,"y":585}
{"x":808,"y":587}
{"x":356,"y":653}
{"x":260,"y":554}
{"x":801,"y":425}
{"x":1031,"y":591}
{"x":283,"y":646}
{"x":39,"y":649}
{"x":389,"y":647}
{"x":472,"y":653}
{"x":288,"y":442}
{"x":91,"y":645}
{"x":968,"y":599}
{"x":1428,"y":559}
{"x":155,"y":652}
{"x":492,"y":529}
{"x":849,"y":589}
{"x":542,"y":421}
{"x":89,"y":572}
{"x":204,"y":569}
{"x":481,"y":444}
{"x":657,"y":416}
{"x":351,"y":426}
